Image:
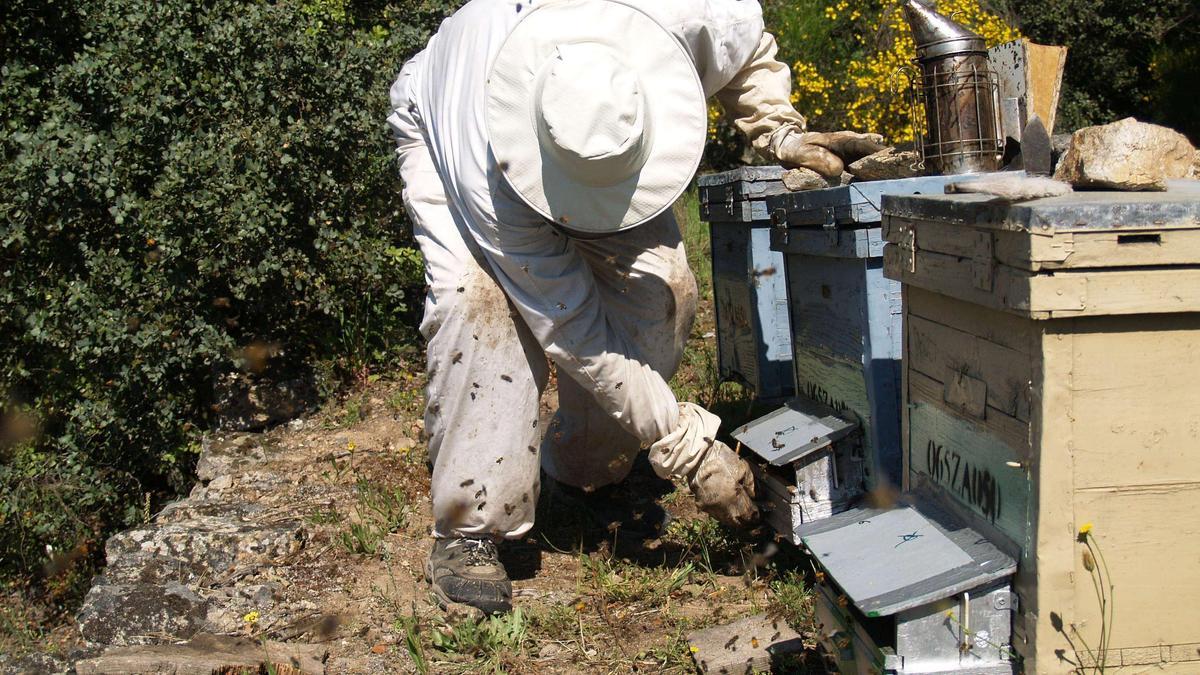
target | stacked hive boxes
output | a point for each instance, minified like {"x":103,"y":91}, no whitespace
{"x":1052,"y":385}
{"x":753,"y":339}
{"x":1049,"y":386}
{"x":845,"y":346}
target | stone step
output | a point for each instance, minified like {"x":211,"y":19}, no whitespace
{"x":202,"y":549}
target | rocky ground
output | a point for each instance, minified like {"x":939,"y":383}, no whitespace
{"x":304,"y":547}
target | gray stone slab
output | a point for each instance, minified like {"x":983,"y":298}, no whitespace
{"x":749,"y":645}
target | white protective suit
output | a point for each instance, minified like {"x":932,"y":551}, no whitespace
{"x":507,"y":289}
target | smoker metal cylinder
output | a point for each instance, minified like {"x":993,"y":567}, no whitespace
{"x":962,"y":134}
{"x":959,"y":91}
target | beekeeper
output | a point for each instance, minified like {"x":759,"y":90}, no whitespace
{"x":541,"y":146}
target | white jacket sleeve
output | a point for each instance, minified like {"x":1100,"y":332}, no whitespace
{"x":405,"y":118}
{"x":735,"y":60}
{"x":758,"y":100}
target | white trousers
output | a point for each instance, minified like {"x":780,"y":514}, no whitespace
{"x":487,"y":371}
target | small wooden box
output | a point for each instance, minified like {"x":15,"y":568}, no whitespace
{"x":807,"y":461}
{"x":753,"y":338}
{"x":1052,"y":380}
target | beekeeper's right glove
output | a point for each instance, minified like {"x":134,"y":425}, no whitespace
{"x":724,"y":486}
{"x":826,"y":153}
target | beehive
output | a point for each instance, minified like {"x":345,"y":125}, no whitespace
{"x":1052,"y":382}
{"x":807,"y":461}
{"x":910,"y":590}
{"x":753,"y":339}
{"x":844,"y":315}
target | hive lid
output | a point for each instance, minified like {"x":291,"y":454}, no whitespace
{"x":793,"y":432}
{"x":1177,"y":207}
{"x":752,"y":174}
{"x":850,"y":206}
{"x":887,"y":561}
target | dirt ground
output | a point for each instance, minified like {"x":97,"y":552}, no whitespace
{"x":588,"y":596}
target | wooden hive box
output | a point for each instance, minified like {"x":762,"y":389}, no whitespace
{"x":753,"y":339}
{"x":844,"y":314}
{"x":1052,"y":381}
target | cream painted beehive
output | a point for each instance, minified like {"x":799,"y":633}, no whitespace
{"x":1052,"y":381}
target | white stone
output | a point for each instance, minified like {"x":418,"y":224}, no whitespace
{"x":801,"y":179}
{"x":1126,"y":155}
{"x":889,"y":164}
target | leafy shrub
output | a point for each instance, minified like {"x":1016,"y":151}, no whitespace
{"x":184,"y":185}
{"x":1138,"y":59}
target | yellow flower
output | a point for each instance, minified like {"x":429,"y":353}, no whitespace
{"x":862,"y":93}
{"x":251,"y":616}
{"x":694,"y":649}
{"x":351,"y":446}
{"x":1085,"y":529}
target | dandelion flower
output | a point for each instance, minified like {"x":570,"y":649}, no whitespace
{"x":251,"y":616}
{"x":1085,"y":529}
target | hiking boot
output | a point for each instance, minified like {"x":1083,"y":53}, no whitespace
{"x":467,"y":571}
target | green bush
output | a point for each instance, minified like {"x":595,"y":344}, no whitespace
{"x":182,"y":180}
{"x":1138,"y":59}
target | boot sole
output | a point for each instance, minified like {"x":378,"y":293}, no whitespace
{"x":444,"y":601}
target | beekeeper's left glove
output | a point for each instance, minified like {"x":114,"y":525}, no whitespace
{"x":724,"y":486}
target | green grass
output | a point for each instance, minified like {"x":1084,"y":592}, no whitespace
{"x":490,"y":643}
{"x":626,"y":582}
{"x":379,"y":512}
{"x":695,"y":240}
{"x":792,"y":600}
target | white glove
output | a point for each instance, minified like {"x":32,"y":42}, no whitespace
{"x":826,"y":153}
{"x":724,"y":486}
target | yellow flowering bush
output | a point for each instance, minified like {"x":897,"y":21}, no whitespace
{"x":846,"y":58}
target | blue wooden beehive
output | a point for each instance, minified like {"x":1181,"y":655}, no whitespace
{"x":754,"y":342}
{"x":845,"y":317}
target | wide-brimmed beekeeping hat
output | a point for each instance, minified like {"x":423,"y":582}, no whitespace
{"x":595,"y":114}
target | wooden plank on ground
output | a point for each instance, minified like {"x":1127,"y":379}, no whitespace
{"x":748,"y":645}
{"x":206,"y":654}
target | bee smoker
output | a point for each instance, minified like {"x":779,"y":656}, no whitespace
{"x":959,"y":92}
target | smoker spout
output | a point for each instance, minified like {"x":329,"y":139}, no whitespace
{"x":937,"y":36}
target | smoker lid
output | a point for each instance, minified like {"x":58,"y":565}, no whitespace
{"x":937,"y":36}
{"x":793,"y":432}
{"x":887,"y":561}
